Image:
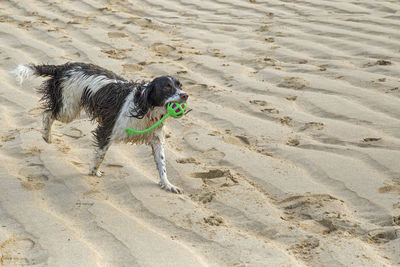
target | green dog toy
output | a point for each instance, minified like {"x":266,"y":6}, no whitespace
{"x":175,"y":110}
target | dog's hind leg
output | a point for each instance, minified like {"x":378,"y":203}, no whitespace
{"x":159,"y":157}
{"x":97,"y":160}
{"x":103,"y":143}
{"x":48,"y":120}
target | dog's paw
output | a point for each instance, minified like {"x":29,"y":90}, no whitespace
{"x":172,"y":188}
{"x":97,"y":173}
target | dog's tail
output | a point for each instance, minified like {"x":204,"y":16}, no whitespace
{"x":23,"y":72}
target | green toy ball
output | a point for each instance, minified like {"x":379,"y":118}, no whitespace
{"x":175,"y":110}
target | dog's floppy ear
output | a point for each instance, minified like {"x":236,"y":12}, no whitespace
{"x":142,"y":101}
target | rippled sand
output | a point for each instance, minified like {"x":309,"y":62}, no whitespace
{"x":289,"y":157}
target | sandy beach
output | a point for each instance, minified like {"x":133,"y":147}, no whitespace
{"x":289,"y":157}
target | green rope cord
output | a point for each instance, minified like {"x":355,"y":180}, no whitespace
{"x":175,"y":110}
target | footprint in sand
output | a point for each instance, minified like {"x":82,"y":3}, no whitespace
{"x":212,"y":155}
{"x":33,"y":178}
{"x":215,"y":133}
{"x":270,"y":110}
{"x":188,"y":160}
{"x":216,"y":173}
{"x":216,"y":52}
{"x":143,"y":22}
{"x":312,"y":125}
{"x":214,"y":220}
{"x":394,"y":89}
{"x":389,"y":188}
{"x":12,"y":134}
{"x":263,"y":150}
{"x":296,"y":83}
{"x":214,"y":180}
{"x":381,"y":62}
{"x":263,"y":28}
{"x":291,"y":98}
{"x":61,"y":146}
{"x":162,"y":49}
{"x":262,"y":62}
{"x":237,"y":140}
{"x":206,"y":197}
{"x":106,"y":8}
{"x":244,"y":139}
{"x":25,"y":24}
{"x":383,"y":235}
{"x":322,"y":214}
{"x":261,"y":103}
{"x":371,"y":139}
{"x":117,"y":34}
{"x":211,"y":174}
{"x":74,"y":22}
{"x":30,"y":186}
{"x":304,"y":249}
{"x":14,"y":251}
{"x":286,"y":121}
{"x":34,"y":150}
{"x":116,"y":53}
{"x":293,"y":142}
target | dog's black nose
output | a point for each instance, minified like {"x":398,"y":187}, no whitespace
{"x":183,"y":96}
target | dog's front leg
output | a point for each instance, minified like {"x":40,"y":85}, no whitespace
{"x":157,"y":144}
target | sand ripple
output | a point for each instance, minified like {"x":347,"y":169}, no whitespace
{"x":289,"y":157}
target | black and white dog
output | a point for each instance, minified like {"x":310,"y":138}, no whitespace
{"x":112,"y":101}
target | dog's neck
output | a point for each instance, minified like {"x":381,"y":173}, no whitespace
{"x":155,"y":114}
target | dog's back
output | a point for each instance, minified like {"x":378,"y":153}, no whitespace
{"x":70,"y":86}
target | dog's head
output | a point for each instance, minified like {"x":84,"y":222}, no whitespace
{"x":165,"y":89}
{"x":158,"y":93}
